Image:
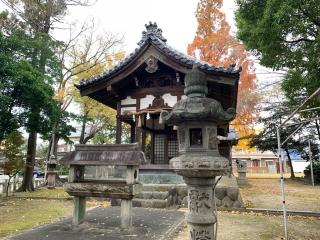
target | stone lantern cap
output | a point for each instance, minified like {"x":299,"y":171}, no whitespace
{"x":197,"y":106}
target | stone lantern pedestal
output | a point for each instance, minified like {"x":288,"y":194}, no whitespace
{"x":200,"y":165}
{"x":199,"y":161}
{"x":201,"y":216}
{"x":51,"y":173}
{"x":242,"y":175}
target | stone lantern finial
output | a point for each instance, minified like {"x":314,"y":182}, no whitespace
{"x":196,"y":83}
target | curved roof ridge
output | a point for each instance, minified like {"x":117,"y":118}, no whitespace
{"x":153,"y":34}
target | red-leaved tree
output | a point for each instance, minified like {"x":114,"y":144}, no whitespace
{"x":214,"y":44}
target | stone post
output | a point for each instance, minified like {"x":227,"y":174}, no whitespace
{"x":76,"y":174}
{"x":79,"y":210}
{"x":126,"y":213}
{"x":126,"y":204}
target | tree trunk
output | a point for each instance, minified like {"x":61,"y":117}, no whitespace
{"x":290,"y":164}
{"x":318,"y":129}
{"x":27,"y":183}
{"x":55,"y":145}
{"x":83,"y":128}
{"x":14,"y":182}
{"x":7,"y":186}
{"x":49,"y":149}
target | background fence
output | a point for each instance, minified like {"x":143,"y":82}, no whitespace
{"x":37,"y":182}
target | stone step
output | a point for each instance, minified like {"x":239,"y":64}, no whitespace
{"x":152,"y":195}
{"x":145,"y":203}
{"x":149,"y":203}
{"x":162,"y":187}
{"x":167,"y":195}
{"x":163,"y":178}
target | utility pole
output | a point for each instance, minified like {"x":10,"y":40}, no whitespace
{"x":311,"y":165}
{"x":280,"y":156}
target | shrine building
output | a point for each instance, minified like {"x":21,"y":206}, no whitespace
{"x":151,"y":79}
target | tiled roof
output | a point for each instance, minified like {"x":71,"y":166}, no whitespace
{"x":154,"y":35}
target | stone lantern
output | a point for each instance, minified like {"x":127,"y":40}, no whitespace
{"x":242,"y":172}
{"x":51,"y":168}
{"x":51,"y":172}
{"x":199,"y":161}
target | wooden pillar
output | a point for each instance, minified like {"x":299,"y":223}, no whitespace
{"x":143,"y":140}
{"x":138,"y":127}
{"x":152,"y":141}
{"x":166,"y":149}
{"x":138,"y":136}
{"x":143,"y":132}
{"x":118,"y":127}
{"x":132,"y":132}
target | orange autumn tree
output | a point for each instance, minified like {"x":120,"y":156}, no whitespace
{"x":214,"y":44}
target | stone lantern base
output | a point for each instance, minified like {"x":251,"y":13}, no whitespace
{"x":242,"y":176}
{"x":51,"y":179}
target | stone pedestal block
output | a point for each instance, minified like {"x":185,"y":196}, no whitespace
{"x":79,"y":210}
{"x":126,"y":213}
{"x":51,"y":179}
{"x":201,"y":215}
{"x":242,"y":176}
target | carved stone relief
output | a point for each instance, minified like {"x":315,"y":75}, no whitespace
{"x":199,"y":202}
{"x":200,"y":234}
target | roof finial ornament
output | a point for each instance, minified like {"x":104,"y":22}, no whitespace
{"x":152,"y":30}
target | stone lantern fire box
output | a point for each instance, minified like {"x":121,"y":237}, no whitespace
{"x":124,"y":157}
{"x":199,"y":162}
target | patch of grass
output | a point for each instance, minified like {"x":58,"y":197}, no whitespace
{"x":94,"y":202}
{"x":270,"y":175}
{"x":43,"y":192}
{"x":21,"y":214}
{"x":265,"y":193}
